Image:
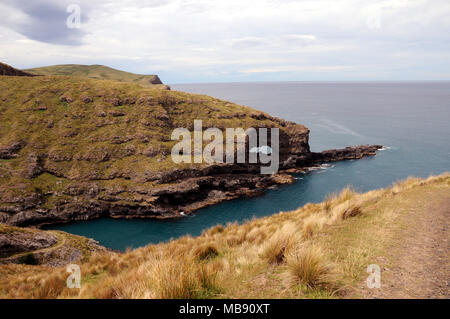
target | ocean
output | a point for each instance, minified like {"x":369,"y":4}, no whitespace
{"x":411,"y":119}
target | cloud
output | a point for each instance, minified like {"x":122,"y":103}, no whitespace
{"x":234,"y":40}
{"x":43,"y":21}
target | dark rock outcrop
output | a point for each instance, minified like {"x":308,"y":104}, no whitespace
{"x":13,"y":242}
{"x":34,"y":246}
{"x":6,"y":69}
{"x":11,"y":150}
{"x":155,"y":80}
{"x":351,"y":152}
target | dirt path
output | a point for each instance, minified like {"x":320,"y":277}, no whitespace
{"x":420,"y":259}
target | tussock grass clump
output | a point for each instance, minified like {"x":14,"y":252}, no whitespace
{"x":214,"y":230}
{"x":173,"y":279}
{"x":352,"y":211}
{"x":308,"y":229}
{"x":180,"y":278}
{"x":346,"y":194}
{"x":281,"y":242}
{"x":308,"y":266}
{"x":327,"y":204}
{"x":51,"y":286}
{"x":313,"y":223}
{"x":206,"y":251}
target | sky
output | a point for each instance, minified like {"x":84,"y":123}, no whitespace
{"x":200,"y":41}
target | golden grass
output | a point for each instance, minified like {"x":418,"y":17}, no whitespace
{"x":280,"y":243}
{"x":311,"y":252}
{"x":206,"y":251}
{"x":308,"y":266}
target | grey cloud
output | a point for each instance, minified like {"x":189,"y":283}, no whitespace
{"x":46,"y":22}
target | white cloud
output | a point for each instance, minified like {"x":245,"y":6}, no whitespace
{"x":203,"y":40}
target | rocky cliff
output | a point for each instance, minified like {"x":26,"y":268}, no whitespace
{"x":77,"y":149}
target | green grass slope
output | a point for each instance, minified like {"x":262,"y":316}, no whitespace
{"x":100,"y":72}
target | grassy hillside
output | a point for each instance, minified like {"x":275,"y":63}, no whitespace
{"x":318,"y":251}
{"x":70,"y":141}
{"x":99,"y":72}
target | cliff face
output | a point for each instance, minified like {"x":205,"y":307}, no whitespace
{"x":76,"y":149}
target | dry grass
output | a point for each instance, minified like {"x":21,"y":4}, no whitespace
{"x":307,"y":253}
{"x":280,"y":243}
{"x":308,"y":266}
{"x":206,"y":251}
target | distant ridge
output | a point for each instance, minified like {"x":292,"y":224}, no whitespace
{"x":97,"y":72}
{"x":6,"y":69}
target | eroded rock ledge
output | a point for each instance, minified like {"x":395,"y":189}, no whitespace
{"x":34,"y":246}
{"x":189,"y":190}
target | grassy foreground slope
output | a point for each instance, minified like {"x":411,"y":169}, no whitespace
{"x":318,"y":251}
{"x":99,"y":72}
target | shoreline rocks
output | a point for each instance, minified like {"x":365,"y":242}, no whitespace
{"x":190,"y":190}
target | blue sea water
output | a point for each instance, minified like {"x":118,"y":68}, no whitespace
{"x":410,"y":118}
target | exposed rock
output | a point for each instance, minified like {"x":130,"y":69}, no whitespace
{"x":116,"y":113}
{"x":66,"y":99}
{"x":116,"y":101}
{"x":351,"y":152}
{"x":35,"y":166}
{"x":22,"y":240}
{"x":11,"y":150}
{"x":87,"y":99}
{"x":6,"y":69}
{"x":33,"y":246}
{"x":155,"y":80}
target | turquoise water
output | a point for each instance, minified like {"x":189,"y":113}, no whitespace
{"x":411,"y":119}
